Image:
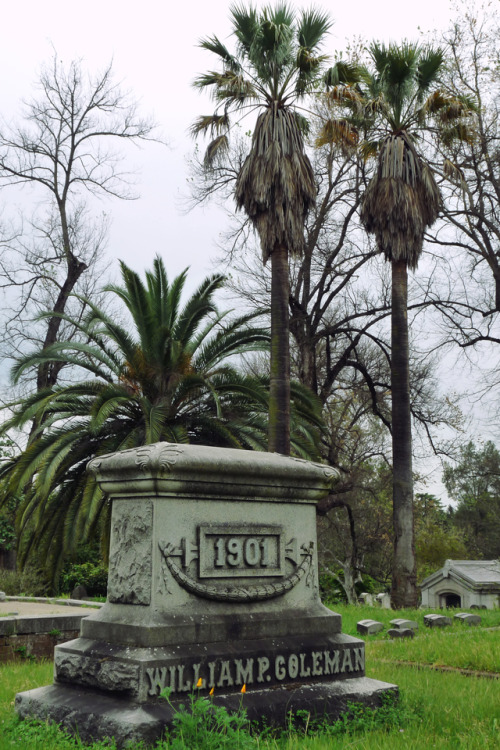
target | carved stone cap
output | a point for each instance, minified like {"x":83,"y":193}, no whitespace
{"x":203,"y":471}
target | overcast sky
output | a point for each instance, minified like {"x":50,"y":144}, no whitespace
{"x":153,"y":46}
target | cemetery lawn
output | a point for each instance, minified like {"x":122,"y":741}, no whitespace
{"x":449,"y":682}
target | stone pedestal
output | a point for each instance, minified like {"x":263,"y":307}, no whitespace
{"x":212,"y":585}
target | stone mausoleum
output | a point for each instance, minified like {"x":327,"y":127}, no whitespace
{"x":464,"y":584}
{"x":213,"y":585}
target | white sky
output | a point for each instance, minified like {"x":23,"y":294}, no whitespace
{"x":153,"y":48}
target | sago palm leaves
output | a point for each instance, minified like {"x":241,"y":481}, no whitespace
{"x":165,"y":373}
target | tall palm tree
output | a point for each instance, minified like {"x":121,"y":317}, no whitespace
{"x":276,"y":64}
{"x":395,"y":102}
{"x":165,"y":374}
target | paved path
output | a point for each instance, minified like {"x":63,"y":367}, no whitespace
{"x":27,"y":608}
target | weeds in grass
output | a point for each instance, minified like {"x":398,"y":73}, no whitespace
{"x":23,"y":653}
{"x":392,"y":714}
{"x":206,"y":726}
{"x":44,"y":735}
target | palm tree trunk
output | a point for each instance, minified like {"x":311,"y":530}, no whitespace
{"x":279,"y":394}
{"x":404,"y":580}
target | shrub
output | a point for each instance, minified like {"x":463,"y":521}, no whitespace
{"x":28,"y":582}
{"x":94,"y":576}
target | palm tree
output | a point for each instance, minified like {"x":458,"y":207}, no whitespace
{"x":275,"y":66}
{"x":395,"y":103}
{"x":163,"y":375}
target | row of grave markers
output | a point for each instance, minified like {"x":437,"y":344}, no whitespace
{"x":402,"y":628}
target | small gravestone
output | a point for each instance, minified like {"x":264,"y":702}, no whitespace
{"x":437,"y":621}
{"x":369,"y":627}
{"x":366,"y":598}
{"x":401,"y":623}
{"x":2,"y":596}
{"x":468,"y":618}
{"x":478,"y":606}
{"x":383,"y":600}
{"x":79,"y":592}
{"x":401,"y":633}
{"x":213,"y":591}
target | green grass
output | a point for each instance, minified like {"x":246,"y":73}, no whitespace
{"x":438,"y":709}
{"x":472,"y":649}
{"x":490,"y":618}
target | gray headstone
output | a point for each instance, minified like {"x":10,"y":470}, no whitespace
{"x":213,"y":586}
{"x":2,"y":596}
{"x":369,"y":627}
{"x":384,"y":600}
{"x":468,"y":618}
{"x":366,"y":598}
{"x":400,"y":633}
{"x":401,"y":623}
{"x":437,"y":621}
{"x":79,"y":592}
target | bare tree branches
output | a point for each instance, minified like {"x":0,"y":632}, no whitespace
{"x":66,"y":149}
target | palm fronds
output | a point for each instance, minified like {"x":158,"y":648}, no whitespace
{"x":276,"y":184}
{"x":167,"y":374}
{"x":401,"y":200}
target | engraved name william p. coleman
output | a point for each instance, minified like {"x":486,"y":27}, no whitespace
{"x":261,"y":670}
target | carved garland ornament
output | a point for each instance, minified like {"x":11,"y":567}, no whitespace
{"x":239,"y":593}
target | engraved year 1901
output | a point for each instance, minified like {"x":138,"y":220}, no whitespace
{"x":246,"y":550}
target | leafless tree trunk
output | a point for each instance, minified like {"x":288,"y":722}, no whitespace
{"x":65,"y":149}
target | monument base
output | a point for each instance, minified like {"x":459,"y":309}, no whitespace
{"x":96,"y":715}
{"x":212,"y":589}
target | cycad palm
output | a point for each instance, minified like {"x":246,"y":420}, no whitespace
{"x":163,"y":376}
{"x":395,"y":102}
{"x":275,"y":66}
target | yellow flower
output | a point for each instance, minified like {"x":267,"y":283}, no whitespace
{"x":244,"y":688}
{"x":212,"y":690}
{"x":199,"y":683}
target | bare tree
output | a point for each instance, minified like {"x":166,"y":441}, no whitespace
{"x":66,"y":150}
{"x":468,"y":296}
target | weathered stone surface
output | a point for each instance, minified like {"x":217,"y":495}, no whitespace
{"x":369,"y":627}
{"x":366,"y":598}
{"x":38,"y":624}
{"x":401,"y":623}
{"x":89,"y":671}
{"x":383,"y":600}
{"x":401,"y":633}
{"x":2,"y":596}
{"x":213,"y":578}
{"x":468,"y":618}
{"x":129,"y":580}
{"x":97,"y":716}
{"x":144,"y":673}
{"x":79,"y":593}
{"x":437,"y":621}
